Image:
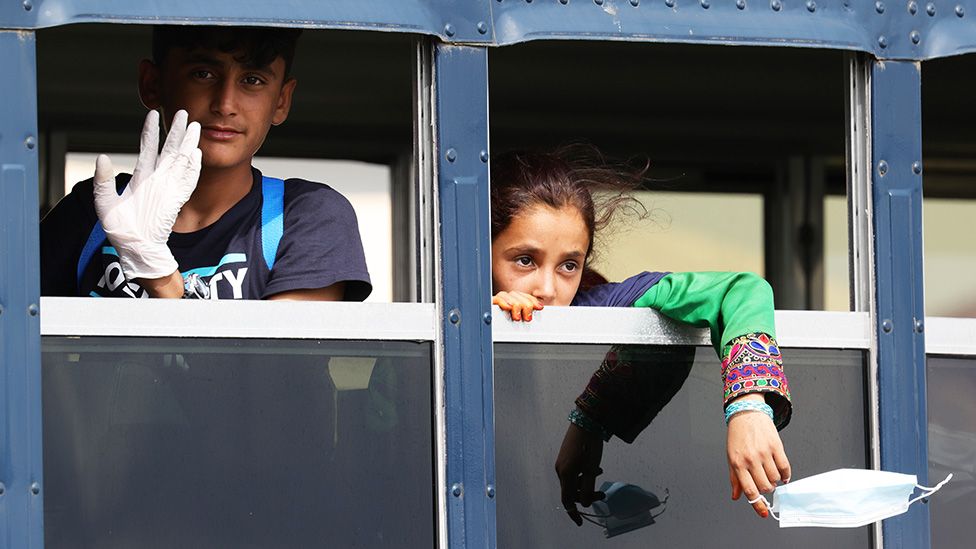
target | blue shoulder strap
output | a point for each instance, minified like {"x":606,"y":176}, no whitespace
{"x":272,"y":217}
{"x":94,"y":242}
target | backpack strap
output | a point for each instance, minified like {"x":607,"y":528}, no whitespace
{"x":94,"y":242}
{"x":272,"y":217}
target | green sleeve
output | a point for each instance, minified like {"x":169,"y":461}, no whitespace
{"x":730,"y":304}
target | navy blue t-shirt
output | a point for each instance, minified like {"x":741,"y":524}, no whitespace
{"x":617,"y":294}
{"x":320,"y":246}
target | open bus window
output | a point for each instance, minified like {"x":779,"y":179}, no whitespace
{"x":746,"y":146}
{"x":350,"y":126}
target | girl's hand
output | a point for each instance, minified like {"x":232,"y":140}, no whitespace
{"x":757,"y":461}
{"x":520,"y":304}
{"x":577,"y":467}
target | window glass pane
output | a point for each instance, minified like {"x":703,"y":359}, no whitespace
{"x":237,"y":443}
{"x":681,"y":453}
{"x":950,"y":257}
{"x":952,"y":448}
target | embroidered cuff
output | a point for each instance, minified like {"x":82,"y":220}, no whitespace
{"x":755,"y":365}
{"x":581,"y":420}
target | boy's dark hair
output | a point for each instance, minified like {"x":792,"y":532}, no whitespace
{"x":254,"y":46}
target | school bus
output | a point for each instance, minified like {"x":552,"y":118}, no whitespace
{"x":783,"y":136}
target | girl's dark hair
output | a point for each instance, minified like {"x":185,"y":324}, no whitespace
{"x":257,"y":46}
{"x":568,"y":176}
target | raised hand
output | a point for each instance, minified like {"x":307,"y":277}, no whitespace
{"x":139,"y":221}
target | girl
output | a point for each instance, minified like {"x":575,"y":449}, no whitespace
{"x":543,"y":220}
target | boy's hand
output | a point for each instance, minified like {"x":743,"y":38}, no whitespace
{"x":757,"y":460}
{"x":138,"y":223}
{"x":519,"y":304}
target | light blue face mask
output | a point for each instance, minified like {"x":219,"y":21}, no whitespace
{"x":845,"y":498}
{"x":625,"y":507}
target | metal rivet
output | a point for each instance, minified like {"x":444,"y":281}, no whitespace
{"x":451,"y":155}
{"x":882,"y":167}
{"x":456,"y":490}
{"x":635,"y":3}
{"x":916,"y":37}
{"x":912,"y":8}
{"x":741,"y":4}
{"x":930,"y":9}
{"x":449,"y":29}
{"x":811,"y":6}
{"x":776,"y":5}
{"x":564,"y":2}
{"x":490,"y":490}
{"x":919,"y":325}
{"x":454,"y":316}
{"x":35,"y":488}
{"x":32,"y":309}
{"x":486,"y":317}
{"x":917,"y":167}
{"x":960,"y":11}
{"x":528,"y":1}
{"x":886,"y":326}
{"x":704,"y":4}
{"x":879,"y":7}
{"x":30,"y":142}
{"x":2,"y":488}
{"x":482,"y":27}
{"x":598,"y":2}
{"x":882,"y":41}
{"x":483,"y":156}
{"x":27,"y":5}
{"x":1,"y":309}
{"x":669,"y":3}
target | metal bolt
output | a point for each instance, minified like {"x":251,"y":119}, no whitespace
{"x":454,"y":316}
{"x":486,"y":317}
{"x":598,"y":2}
{"x":32,"y":309}
{"x":886,"y":326}
{"x":811,"y":6}
{"x":917,"y":167}
{"x":27,"y":5}
{"x":741,"y":4}
{"x":456,"y":490}
{"x":919,"y":326}
{"x":1,"y":309}
{"x":960,"y":11}
{"x":563,"y":2}
{"x":882,"y":168}
{"x":916,"y":37}
{"x":35,"y":488}
{"x":704,"y":4}
{"x":776,"y":5}
{"x":483,"y":155}
{"x":879,"y":7}
{"x":490,"y":490}
{"x":635,"y":3}
{"x":2,"y":488}
{"x":882,"y":41}
{"x":669,"y":3}
{"x":912,"y":8}
{"x":451,"y":155}
{"x":482,"y":27}
{"x":30,"y":142}
{"x":449,"y":29}
{"x":930,"y":9}
{"x":526,"y":1}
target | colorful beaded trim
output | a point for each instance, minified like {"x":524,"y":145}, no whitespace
{"x":581,"y":420}
{"x":754,"y":365}
{"x":747,"y":406}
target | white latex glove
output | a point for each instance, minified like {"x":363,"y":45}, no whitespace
{"x":139,"y":221}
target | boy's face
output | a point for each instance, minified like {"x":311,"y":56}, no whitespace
{"x":235,"y":104}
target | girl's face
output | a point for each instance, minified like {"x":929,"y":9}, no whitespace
{"x":541,"y":253}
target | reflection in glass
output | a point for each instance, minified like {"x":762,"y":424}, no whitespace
{"x":681,"y":453}
{"x":951,"y":386}
{"x":248,"y":443}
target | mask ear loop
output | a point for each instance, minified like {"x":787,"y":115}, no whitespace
{"x":926,"y":491}
{"x":769,"y":507}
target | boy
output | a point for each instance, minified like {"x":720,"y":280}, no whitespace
{"x":196,"y":219}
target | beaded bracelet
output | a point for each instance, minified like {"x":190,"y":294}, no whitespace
{"x":747,"y":406}
{"x":581,"y":420}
